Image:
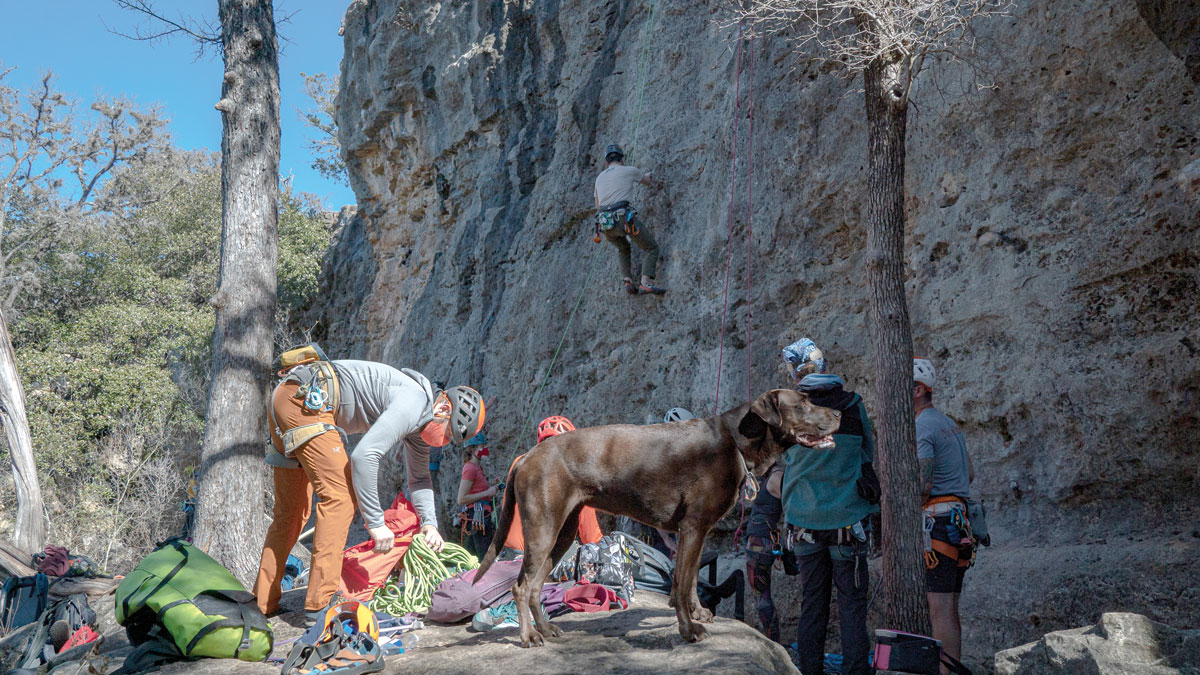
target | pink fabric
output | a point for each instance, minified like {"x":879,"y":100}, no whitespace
{"x":364,"y":570}
{"x":591,"y":598}
{"x":474,"y":473}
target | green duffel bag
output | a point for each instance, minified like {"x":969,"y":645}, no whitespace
{"x":180,"y":603}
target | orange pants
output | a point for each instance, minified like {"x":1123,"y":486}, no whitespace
{"x":325,"y":468}
{"x":589,"y":527}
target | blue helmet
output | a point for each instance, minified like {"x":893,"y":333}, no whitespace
{"x":801,"y":352}
{"x":477,"y":439}
{"x":613,"y":153}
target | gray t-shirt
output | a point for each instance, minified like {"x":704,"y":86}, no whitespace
{"x":617,"y":183}
{"x":939,"y":439}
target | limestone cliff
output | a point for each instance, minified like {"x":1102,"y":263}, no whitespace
{"x":1053,"y":271}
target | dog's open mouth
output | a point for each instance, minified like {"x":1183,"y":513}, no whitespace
{"x":815,"y":441}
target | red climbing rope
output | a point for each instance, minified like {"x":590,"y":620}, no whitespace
{"x":729,"y":240}
{"x":750,"y":228}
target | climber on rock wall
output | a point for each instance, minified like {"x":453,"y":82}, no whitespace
{"x":618,"y":221}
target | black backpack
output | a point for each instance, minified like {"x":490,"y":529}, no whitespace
{"x":25,"y":598}
{"x":652,"y":571}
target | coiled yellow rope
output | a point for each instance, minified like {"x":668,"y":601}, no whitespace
{"x":423,"y":571}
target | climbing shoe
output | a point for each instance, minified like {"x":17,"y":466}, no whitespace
{"x":630,"y":287}
{"x":656,"y":290}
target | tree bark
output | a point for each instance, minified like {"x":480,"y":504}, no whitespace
{"x":230,"y":518}
{"x":29,"y":534}
{"x":904,"y":604}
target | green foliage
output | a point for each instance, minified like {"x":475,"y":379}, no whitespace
{"x":114,"y":345}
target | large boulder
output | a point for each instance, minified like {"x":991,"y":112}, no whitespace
{"x":1124,"y":643}
{"x":640,"y":639}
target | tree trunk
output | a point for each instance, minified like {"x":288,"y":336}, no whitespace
{"x":230,"y":518}
{"x":30,"y":531}
{"x":904,"y":605}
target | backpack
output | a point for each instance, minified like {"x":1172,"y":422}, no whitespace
{"x":458,"y":598}
{"x":652,"y":571}
{"x":566,"y":569}
{"x":179,"y":603}
{"x":608,"y":563}
{"x":24,"y":600}
{"x":55,"y":627}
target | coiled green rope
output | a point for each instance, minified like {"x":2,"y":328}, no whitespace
{"x":423,"y":571}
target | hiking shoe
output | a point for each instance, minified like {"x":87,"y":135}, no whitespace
{"x":656,"y":290}
{"x":630,"y":287}
{"x":60,"y":633}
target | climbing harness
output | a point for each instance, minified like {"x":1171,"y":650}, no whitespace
{"x":962,"y":552}
{"x":308,"y":367}
{"x":608,"y":218}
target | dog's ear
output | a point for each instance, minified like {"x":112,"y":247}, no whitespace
{"x":767,"y":408}
{"x":752,"y":426}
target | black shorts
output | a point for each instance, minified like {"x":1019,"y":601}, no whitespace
{"x":946,"y":576}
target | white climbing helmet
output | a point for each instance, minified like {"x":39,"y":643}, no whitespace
{"x":924,"y":373}
{"x":678,"y":415}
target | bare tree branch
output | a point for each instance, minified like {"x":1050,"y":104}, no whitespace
{"x":204,"y":32}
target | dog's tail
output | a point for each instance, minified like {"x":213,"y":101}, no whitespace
{"x":502,"y":527}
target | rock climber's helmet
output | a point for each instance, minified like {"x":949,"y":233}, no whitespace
{"x":553,"y":426}
{"x":479,"y":442}
{"x":466,"y":412}
{"x":924,"y":373}
{"x":678,"y":415}
{"x":613,"y":153}
{"x":801,"y":353}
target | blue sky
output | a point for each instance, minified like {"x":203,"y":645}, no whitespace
{"x":69,"y":38}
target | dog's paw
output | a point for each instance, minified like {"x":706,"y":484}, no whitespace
{"x":554,"y":631}
{"x":693,"y":633}
{"x":533,"y":639}
{"x":702,"y":615}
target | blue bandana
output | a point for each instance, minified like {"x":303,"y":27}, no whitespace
{"x":819,"y":382}
{"x":477,"y":439}
{"x":800,"y":352}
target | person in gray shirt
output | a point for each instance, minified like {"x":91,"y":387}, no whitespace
{"x":311,"y":409}
{"x":946,"y":475}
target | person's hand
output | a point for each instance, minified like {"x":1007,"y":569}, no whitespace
{"x":493,"y":490}
{"x":383,"y":537}
{"x":433,"y":538}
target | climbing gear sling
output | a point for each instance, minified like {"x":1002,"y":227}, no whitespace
{"x":309,"y":367}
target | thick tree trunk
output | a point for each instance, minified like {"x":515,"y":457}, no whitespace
{"x":30,"y":531}
{"x":230,"y":518}
{"x":904,"y":603}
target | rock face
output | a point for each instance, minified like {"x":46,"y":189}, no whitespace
{"x":1054,"y":257}
{"x":1121,"y":643}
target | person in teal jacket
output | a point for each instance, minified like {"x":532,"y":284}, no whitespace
{"x":827,"y":496}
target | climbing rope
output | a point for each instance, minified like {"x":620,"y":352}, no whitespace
{"x":750,"y":227}
{"x":643,"y":68}
{"x":538,"y":394}
{"x":737,"y":93}
{"x":424,"y":569}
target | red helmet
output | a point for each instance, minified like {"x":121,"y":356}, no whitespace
{"x":553,"y":426}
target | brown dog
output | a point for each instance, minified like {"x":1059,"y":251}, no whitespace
{"x":682,"y":477}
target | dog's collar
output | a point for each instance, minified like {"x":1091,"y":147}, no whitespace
{"x":749,"y":485}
